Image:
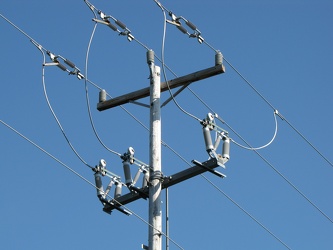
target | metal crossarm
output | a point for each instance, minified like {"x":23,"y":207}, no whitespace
{"x":168,"y":181}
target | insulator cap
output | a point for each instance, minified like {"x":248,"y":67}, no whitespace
{"x":102,"y":95}
{"x":218,"y":58}
{"x":150,"y":56}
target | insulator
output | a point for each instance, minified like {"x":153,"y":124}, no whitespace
{"x":99,"y":185}
{"x":120,"y":24}
{"x":226,"y":148}
{"x":218,"y":58}
{"x":208,"y":139}
{"x":108,"y":188}
{"x":150,"y":56}
{"x":191,"y":25}
{"x":217,"y":142}
{"x":61,"y":66}
{"x":145,"y":179}
{"x":127,"y":172}
{"x":113,"y":27}
{"x":102,"y":95}
{"x":69,"y":63}
{"x":182,"y":29}
{"x":117,"y":192}
{"x":137,"y":176}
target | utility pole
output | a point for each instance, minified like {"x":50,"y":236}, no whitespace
{"x":157,"y":181}
{"x":155,"y":187}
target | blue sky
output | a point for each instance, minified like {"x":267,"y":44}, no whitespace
{"x":283,"y":48}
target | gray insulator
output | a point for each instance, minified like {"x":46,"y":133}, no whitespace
{"x":102,"y":95}
{"x":69,"y":63}
{"x":218,"y":58}
{"x":191,"y":25}
{"x":136,"y":177}
{"x":61,"y":66}
{"x":150,"y":56}
{"x":114,"y":28}
{"x":208,"y":139}
{"x":127,"y":172}
{"x":226,"y":148}
{"x":117,"y":192}
{"x":108,"y":188}
{"x":120,"y":24}
{"x":99,"y":185}
{"x":217,"y":142}
{"x":145,"y":179}
{"x":182,"y":29}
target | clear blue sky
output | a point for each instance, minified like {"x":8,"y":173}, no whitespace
{"x":284,"y":48}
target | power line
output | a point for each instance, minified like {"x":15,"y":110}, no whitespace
{"x":197,"y":34}
{"x":81,"y":177}
{"x":163,"y":69}
{"x":246,"y":212}
{"x":54,"y":115}
{"x":281,"y":175}
{"x":176,"y":22}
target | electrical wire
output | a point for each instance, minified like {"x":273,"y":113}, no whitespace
{"x":54,"y":114}
{"x":87,"y":95}
{"x":246,"y":212}
{"x":163,"y":143}
{"x":164,"y":72}
{"x":84,"y":179}
{"x":43,"y":50}
{"x":33,"y":40}
{"x":136,"y":161}
{"x":262,"y":97}
{"x":230,"y":199}
{"x":264,"y":146}
{"x":98,"y":137}
{"x":281,"y":175}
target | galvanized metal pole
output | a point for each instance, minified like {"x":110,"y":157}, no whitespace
{"x":155,"y":186}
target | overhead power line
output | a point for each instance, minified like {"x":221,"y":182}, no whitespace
{"x":176,"y":21}
{"x":81,"y":177}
